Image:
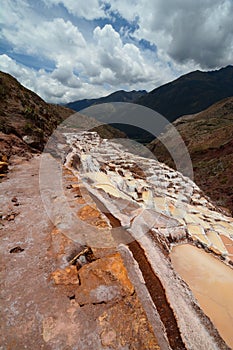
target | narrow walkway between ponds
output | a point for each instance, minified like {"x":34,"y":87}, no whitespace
{"x":153,"y":284}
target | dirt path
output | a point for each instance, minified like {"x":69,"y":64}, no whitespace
{"x":28,"y":300}
{"x":35,"y":312}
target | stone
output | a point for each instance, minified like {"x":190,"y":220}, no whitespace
{"x":3,"y":167}
{"x":228,"y":243}
{"x":48,"y":328}
{"x":93,"y":216}
{"x":80,"y":200}
{"x":108,"y":337}
{"x":135,"y":332}
{"x":104,"y":280}
{"x":75,"y":186}
{"x":88,"y":212}
{"x":32,"y":140}
{"x":66,"y":276}
{"x":11,"y":217}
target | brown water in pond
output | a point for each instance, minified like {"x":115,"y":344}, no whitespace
{"x":212,"y":284}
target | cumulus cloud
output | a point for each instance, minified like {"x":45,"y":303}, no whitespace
{"x":51,"y":39}
{"x":46,"y":84}
{"x":81,"y":68}
{"x":196,"y":31}
{"x":124,"y":60}
{"x":65,"y":75}
{"x":91,"y":9}
{"x":187,"y":35}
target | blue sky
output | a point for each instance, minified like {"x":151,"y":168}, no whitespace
{"x":66,"y":50}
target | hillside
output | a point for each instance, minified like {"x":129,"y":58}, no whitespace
{"x":191,"y":93}
{"x":26,"y":121}
{"x":208,"y":136}
{"x":118,"y":96}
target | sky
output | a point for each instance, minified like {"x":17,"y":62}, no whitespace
{"x":67,"y":50}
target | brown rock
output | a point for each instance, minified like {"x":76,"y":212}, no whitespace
{"x":73,"y":179}
{"x":3,"y":167}
{"x":3,"y":158}
{"x":17,"y":249}
{"x":100,"y":223}
{"x":108,"y":337}
{"x":133,"y":331}
{"x":67,"y":171}
{"x":61,"y":246}
{"x":88,"y":212}
{"x":77,"y":190}
{"x":66,"y":276}
{"x":80,"y":200}
{"x":104,"y":280}
{"x":93,"y":216}
{"x":11,"y":216}
{"x":48,"y":328}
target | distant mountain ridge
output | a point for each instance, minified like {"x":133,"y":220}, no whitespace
{"x":191,"y":93}
{"x":118,"y":96}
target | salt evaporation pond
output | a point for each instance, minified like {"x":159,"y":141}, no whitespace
{"x":211,"y":282}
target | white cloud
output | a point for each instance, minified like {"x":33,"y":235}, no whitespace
{"x":89,"y":10}
{"x":82,"y":69}
{"x":123,"y":63}
{"x":196,"y":31}
{"x":188,"y":35}
{"x":46,"y":84}
{"x":51,"y":39}
{"x":65,"y":75}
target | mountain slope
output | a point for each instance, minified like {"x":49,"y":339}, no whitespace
{"x":118,"y":96}
{"x":208,"y":136}
{"x":131,"y":131}
{"x":191,"y":93}
{"x":24,"y":115}
{"x":26,"y":121}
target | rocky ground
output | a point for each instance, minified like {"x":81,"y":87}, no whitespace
{"x":85,"y":255}
{"x":48,"y":302}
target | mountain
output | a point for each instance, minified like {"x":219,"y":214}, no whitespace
{"x":191,"y":93}
{"x":27,"y":121}
{"x":118,"y":96}
{"x":131,"y":131}
{"x":208,"y":136}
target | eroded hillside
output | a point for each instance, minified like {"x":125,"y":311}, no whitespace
{"x":27,"y":121}
{"x":208,"y":136}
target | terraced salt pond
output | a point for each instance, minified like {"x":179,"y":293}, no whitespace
{"x":147,"y":196}
{"x":211,"y":281}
